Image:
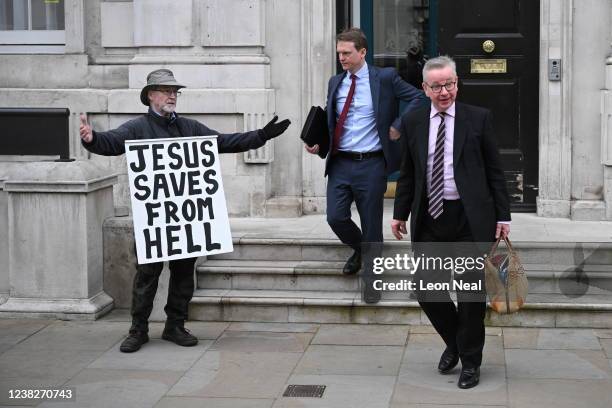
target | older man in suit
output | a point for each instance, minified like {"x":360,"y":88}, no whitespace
{"x":362,"y":114}
{"x":452,"y":184}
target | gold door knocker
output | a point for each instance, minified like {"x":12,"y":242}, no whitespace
{"x":488,"y":46}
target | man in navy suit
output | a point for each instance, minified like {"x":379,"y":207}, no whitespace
{"x":362,"y":115}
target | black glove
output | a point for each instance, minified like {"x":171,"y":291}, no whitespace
{"x":273,"y":129}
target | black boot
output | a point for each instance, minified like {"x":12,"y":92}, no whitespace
{"x":134,"y":341}
{"x":180,"y":336}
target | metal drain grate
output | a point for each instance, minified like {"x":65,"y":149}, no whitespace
{"x":304,"y":391}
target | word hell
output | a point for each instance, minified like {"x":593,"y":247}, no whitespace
{"x":153,"y":240}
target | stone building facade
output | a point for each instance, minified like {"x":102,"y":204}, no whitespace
{"x":246,"y":60}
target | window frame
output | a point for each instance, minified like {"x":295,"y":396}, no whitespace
{"x":34,"y":41}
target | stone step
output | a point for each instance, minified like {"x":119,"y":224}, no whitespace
{"x":594,"y":311}
{"x":300,"y":280}
{"x":550,"y":255}
{"x":327,"y":276}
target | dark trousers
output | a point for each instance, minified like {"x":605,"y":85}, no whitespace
{"x":365,"y":183}
{"x":180,"y":292}
{"x":462,"y":326}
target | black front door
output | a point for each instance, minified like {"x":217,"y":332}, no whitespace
{"x":496,"y":46}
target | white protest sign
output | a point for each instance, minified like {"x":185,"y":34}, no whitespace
{"x":178,"y":203}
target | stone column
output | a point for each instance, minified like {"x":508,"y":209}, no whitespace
{"x":4,"y":265}
{"x":318,"y":65}
{"x":606,"y":136}
{"x":55,"y":216}
{"x":555,"y":147}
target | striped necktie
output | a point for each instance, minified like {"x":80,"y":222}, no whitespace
{"x":436,"y":194}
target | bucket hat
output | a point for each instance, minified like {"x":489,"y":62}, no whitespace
{"x":159,"y":77}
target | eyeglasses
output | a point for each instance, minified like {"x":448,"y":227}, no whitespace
{"x":437,"y":88}
{"x":168,"y":91}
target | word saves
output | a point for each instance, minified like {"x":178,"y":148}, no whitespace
{"x":176,"y":188}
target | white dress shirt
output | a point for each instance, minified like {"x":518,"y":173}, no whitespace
{"x":360,"y":133}
{"x":450,"y":188}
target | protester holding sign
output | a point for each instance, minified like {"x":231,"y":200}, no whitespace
{"x":162,"y":122}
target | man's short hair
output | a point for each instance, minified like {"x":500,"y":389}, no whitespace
{"x":354,"y":35}
{"x":440,"y":62}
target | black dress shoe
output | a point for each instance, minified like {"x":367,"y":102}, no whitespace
{"x":353,"y":264}
{"x":180,"y":336}
{"x":469,"y":377}
{"x":133,"y":341}
{"x":448,"y":361}
{"x":370,"y":295}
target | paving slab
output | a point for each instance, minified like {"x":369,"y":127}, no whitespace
{"x":13,"y":331}
{"x":54,"y":367}
{"x":76,"y":336}
{"x":422,"y":329}
{"x":493,"y":352}
{"x":250,"y":364}
{"x":568,"y":339}
{"x":359,"y":334}
{"x":421,"y":383}
{"x":493,"y":331}
{"x":606,"y":344}
{"x":202,"y":330}
{"x":156,"y":355}
{"x":275,"y":327}
{"x":350,"y":360}
{"x":603,"y":333}
{"x":185,"y":402}
{"x":117,"y":388}
{"x":231,"y":374}
{"x":557,"y":364}
{"x":263,"y":342}
{"x":521,"y":337}
{"x":117,"y":315}
{"x":427,"y":349}
{"x":529,"y":393}
{"x":444,"y":406}
{"x":423,"y":349}
{"x":342,"y":391}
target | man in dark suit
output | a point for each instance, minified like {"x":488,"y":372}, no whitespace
{"x":452,"y":184}
{"x":362,"y":115}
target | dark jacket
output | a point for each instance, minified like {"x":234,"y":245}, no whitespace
{"x":388,"y":90}
{"x":479,"y":175}
{"x":152,"y":126}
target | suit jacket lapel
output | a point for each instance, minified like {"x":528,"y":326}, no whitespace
{"x":422,"y":142}
{"x":460,"y":133}
{"x":331,"y":106}
{"x":374,"y":88}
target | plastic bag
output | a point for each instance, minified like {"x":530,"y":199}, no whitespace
{"x":505,"y":280}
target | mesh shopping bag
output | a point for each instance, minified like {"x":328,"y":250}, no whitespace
{"x":505,"y":279}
